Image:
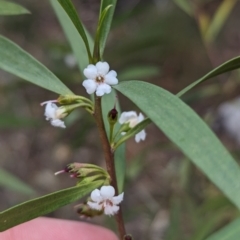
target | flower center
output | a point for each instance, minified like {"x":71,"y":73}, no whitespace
{"x":99,"y":79}
{"x":109,"y":202}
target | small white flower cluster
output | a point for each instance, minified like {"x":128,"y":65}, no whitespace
{"x":53,"y":113}
{"x":99,"y":80}
{"x":133,"y":119}
{"x":104,"y":200}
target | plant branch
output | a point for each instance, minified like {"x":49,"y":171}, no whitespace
{"x":109,"y":158}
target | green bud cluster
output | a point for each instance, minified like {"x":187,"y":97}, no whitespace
{"x":86,"y":172}
{"x":71,"y":102}
{"x":86,"y":212}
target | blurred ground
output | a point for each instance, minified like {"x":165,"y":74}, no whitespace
{"x":153,"y":41}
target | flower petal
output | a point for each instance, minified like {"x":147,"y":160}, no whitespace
{"x":140,"y":136}
{"x":90,"y":85}
{"x":117,"y":199}
{"x":127,"y":116}
{"x":58,"y":123}
{"x":110,"y":78}
{"x":140,"y":117}
{"x":107,"y":192}
{"x":111,"y":210}
{"x":112,"y":73}
{"x":102,"y":68}
{"x":90,"y":72}
{"x":96,"y":196}
{"x":94,"y":205}
{"x":50,"y":110}
{"x":102,"y":89}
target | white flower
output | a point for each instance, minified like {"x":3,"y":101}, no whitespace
{"x":54,"y":113}
{"x":133,"y":119}
{"x":104,"y":199}
{"x":99,"y":78}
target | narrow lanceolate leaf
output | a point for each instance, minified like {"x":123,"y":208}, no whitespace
{"x":100,"y":34}
{"x":10,"y":8}
{"x":107,"y":22}
{"x":220,"y":17}
{"x":44,"y":205}
{"x":108,"y":102}
{"x":72,"y":13}
{"x":225,"y":67}
{"x":230,"y":232}
{"x":188,"y":131}
{"x":185,"y":6}
{"x":15,"y":60}
{"x":9,"y":181}
{"x":75,"y":40}
{"x":133,"y":131}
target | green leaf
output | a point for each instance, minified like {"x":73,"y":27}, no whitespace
{"x":75,"y":40}
{"x":72,"y":13}
{"x":11,"y":182}
{"x":120,"y":166}
{"x":185,"y":6}
{"x":18,"y":62}
{"x":132,"y":132}
{"x":219,"y":19}
{"x":206,"y":227}
{"x":107,"y":22}
{"x":100,"y":35}
{"x":108,"y":102}
{"x":225,"y":67}
{"x":44,"y":205}
{"x":10,"y":8}
{"x":230,"y":232}
{"x":230,"y":65}
{"x":142,"y":71}
{"x":174,"y":229}
{"x":188,"y":131}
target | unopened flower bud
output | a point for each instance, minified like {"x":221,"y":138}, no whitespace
{"x":85,"y":172}
{"x":70,"y":99}
{"x":113,"y":116}
{"x":128,"y":237}
{"x":86,"y":212}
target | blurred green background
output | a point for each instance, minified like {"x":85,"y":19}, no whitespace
{"x":170,"y":43}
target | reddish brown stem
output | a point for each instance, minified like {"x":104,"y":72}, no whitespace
{"x":109,"y":158}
